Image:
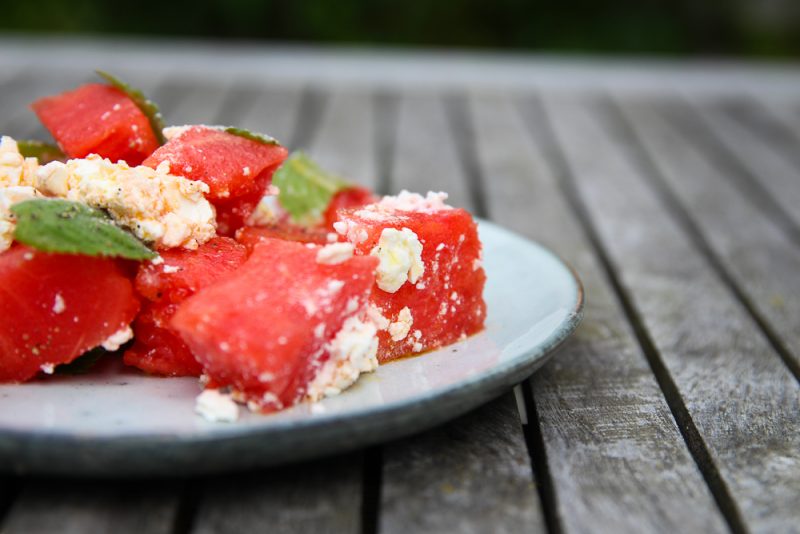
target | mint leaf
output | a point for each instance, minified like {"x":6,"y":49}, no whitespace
{"x":44,"y":152}
{"x":253,"y":136}
{"x":147,"y":106}
{"x":305,"y":189}
{"x":54,"y":225}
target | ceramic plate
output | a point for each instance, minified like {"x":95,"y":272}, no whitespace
{"x":118,"y":422}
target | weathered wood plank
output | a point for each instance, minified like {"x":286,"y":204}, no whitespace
{"x":74,"y":506}
{"x":425,"y":156}
{"x":616,"y":458}
{"x":320,"y":496}
{"x":274,"y":112}
{"x":760,"y":152}
{"x":192,"y":103}
{"x":18,"y":120}
{"x":345,"y":142}
{"x":736,"y":396}
{"x":759,"y":257}
{"x":472,"y":475}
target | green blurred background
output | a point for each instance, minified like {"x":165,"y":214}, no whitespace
{"x":742,"y":28}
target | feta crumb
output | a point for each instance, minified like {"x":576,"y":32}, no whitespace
{"x":170,"y":269}
{"x":268,"y":210}
{"x":47,"y":368}
{"x":216,"y":407}
{"x":9,"y":196}
{"x":332,"y":237}
{"x":319,"y":330}
{"x":400,"y":255}
{"x":335,"y":253}
{"x":246,"y":171}
{"x":15,"y":169}
{"x":353,"y":231}
{"x":158,"y":260}
{"x":157,"y":206}
{"x":117,"y":339}
{"x":352,"y":351}
{"x":439,"y":247}
{"x":405,"y":201}
{"x":400,"y":328}
{"x":59,"y":306}
{"x":374,"y":314}
{"x":417,"y":347}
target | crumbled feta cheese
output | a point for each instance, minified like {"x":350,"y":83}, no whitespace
{"x":158,"y":260}
{"x":9,"y":196}
{"x":170,"y":269}
{"x":117,"y":339}
{"x":171,"y":132}
{"x":59,"y":306}
{"x":352,"y":351}
{"x":335,"y":253}
{"x":354,"y":232}
{"x":216,"y":407}
{"x":15,"y":169}
{"x":157,"y":206}
{"x":417,"y":347}
{"x":268,"y":211}
{"x":400,"y":255}
{"x":405,"y":201}
{"x":374,"y":314}
{"x":48,"y":368}
{"x":400,"y":328}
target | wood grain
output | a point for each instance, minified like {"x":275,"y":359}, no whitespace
{"x":737,"y":391}
{"x":616,"y":458}
{"x":759,"y":257}
{"x":761,"y":152}
{"x":472,"y":475}
{"x":319,"y":496}
{"x":74,"y":506}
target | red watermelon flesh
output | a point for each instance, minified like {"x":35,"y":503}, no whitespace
{"x":158,"y":349}
{"x":446,"y":304}
{"x":250,"y":236}
{"x":97,"y":119}
{"x":262,"y":330}
{"x":55,"y":307}
{"x":236,"y":169}
{"x":352,"y":197}
{"x":183,"y":272}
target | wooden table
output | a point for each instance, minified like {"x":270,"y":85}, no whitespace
{"x":672,"y":188}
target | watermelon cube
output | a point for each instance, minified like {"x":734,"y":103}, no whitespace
{"x":429,"y":284}
{"x":348,"y":198}
{"x":158,"y":349}
{"x":55,"y":307}
{"x":250,"y":236}
{"x":97,"y":119}
{"x":236,"y":169}
{"x":291,"y":314}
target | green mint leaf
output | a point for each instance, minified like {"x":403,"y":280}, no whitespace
{"x":83,"y":363}
{"x":147,"y":106}
{"x":305,"y":189}
{"x":44,"y":152}
{"x":253,"y":136}
{"x":54,"y":225}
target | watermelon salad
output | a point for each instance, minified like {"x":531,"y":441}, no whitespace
{"x":212,"y":252}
